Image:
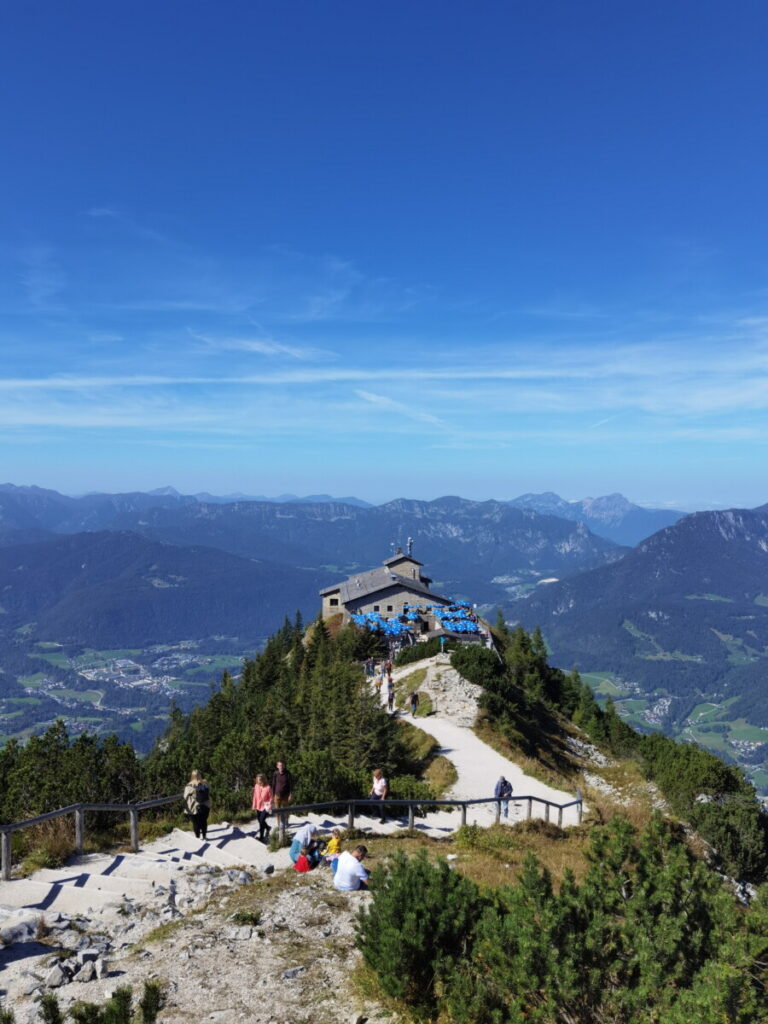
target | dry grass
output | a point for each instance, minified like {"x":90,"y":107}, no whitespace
{"x":558,"y":768}
{"x":407,"y":685}
{"x":494,"y":856}
{"x":421,"y":746}
{"x":441,"y":775}
{"x":49,"y":844}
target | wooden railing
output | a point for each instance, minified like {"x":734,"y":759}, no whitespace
{"x":132,"y":810}
{"x":383,"y":808}
{"x":380,"y":808}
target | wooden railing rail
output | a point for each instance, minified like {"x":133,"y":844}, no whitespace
{"x":380,"y":807}
{"x":132,"y":810}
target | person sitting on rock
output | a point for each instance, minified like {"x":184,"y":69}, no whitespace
{"x":350,"y":873}
{"x":305,"y":837}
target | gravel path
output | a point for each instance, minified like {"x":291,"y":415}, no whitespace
{"x":478,"y":766}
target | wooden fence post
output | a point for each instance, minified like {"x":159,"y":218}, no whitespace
{"x":463,"y":815}
{"x":133,"y":814}
{"x":281,"y":826}
{"x":79,"y":829}
{"x":350,"y":816}
{"x":411,"y":817}
{"x":560,"y":817}
{"x":498,"y":812}
{"x":546,"y":812}
{"x":529,"y":815}
{"x":6,"y":853}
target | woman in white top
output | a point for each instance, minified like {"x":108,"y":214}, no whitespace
{"x":379,"y":790}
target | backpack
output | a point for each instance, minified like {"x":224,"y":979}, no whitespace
{"x":202,"y":794}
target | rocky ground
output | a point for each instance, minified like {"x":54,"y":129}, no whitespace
{"x":273,"y":950}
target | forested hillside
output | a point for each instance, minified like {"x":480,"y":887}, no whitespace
{"x":647,"y":933}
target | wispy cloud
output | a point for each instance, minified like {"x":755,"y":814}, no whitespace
{"x":128,"y":223}
{"x":263,"y":347}
{"x":401,"y":408}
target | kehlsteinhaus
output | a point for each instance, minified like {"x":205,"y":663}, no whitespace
{"x":397,"y":594}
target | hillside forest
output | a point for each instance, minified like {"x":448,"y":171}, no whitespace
{"x":650,"y":932}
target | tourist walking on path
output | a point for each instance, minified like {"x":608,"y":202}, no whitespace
{"x":197,"y":803}
{"x":282,"y":786}
{"x":503,"y":791}
{"x":379,"y":791}
{"x":262,"y":804}
{"x":413,"y":700}
{"x":391,"y":696}
{"x":350,"y":873}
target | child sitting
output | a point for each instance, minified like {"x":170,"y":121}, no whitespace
{"x":333,"y":847}
{"x":302,"y":861}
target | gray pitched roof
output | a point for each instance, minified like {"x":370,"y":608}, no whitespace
{"x":400,"y":557}
{"x":366,"y":583}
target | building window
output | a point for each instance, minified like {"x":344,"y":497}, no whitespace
{"x":376,"y":608}
{"x":334,"y":602}
{"x":390,"y":608}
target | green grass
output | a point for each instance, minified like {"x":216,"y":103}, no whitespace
{"x":738,"y":652}
{"x":714,"y":741}
{"x":85,"y":696}
{"x":708,"y":597}
{"x":671,"y":656}
{"x":604,"y":683}
{"x":705,"y":713}
{"x":59,"y":660}
{"x":740,"y":729}
{"x":137,"y":726}
{"x":34,"y":681}
{"x":762,"y":599}
{"x":23,"y":700}
{"x":47,"y":645}
{"x":635,"y":705}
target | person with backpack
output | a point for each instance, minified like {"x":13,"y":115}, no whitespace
{"x":503,"y":791}
{"x":197,"y":804}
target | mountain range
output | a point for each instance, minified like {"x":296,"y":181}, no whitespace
{"x":118,"y":589}
{"x":681,"y":621}
{"x":611,"y":516}
{"x":675,"y":628}
{"x":25,"y":508}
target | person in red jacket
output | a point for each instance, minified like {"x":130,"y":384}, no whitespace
{"x":302,"y":861}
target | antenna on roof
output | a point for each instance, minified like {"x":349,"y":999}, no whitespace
{"x":410,"y":546}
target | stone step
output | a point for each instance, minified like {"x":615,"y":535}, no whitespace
{"x":185,"y":847}
{"x":45,"y":896}
{"x":125,"y":885}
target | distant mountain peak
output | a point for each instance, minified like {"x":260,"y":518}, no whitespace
{"x":165,"y":492}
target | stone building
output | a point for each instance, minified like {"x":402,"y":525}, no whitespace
{"x":386,"y":590}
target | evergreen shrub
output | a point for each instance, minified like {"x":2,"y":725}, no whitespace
{"x":417,"y":927}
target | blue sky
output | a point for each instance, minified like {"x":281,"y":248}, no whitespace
{"x":386,"y":249}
